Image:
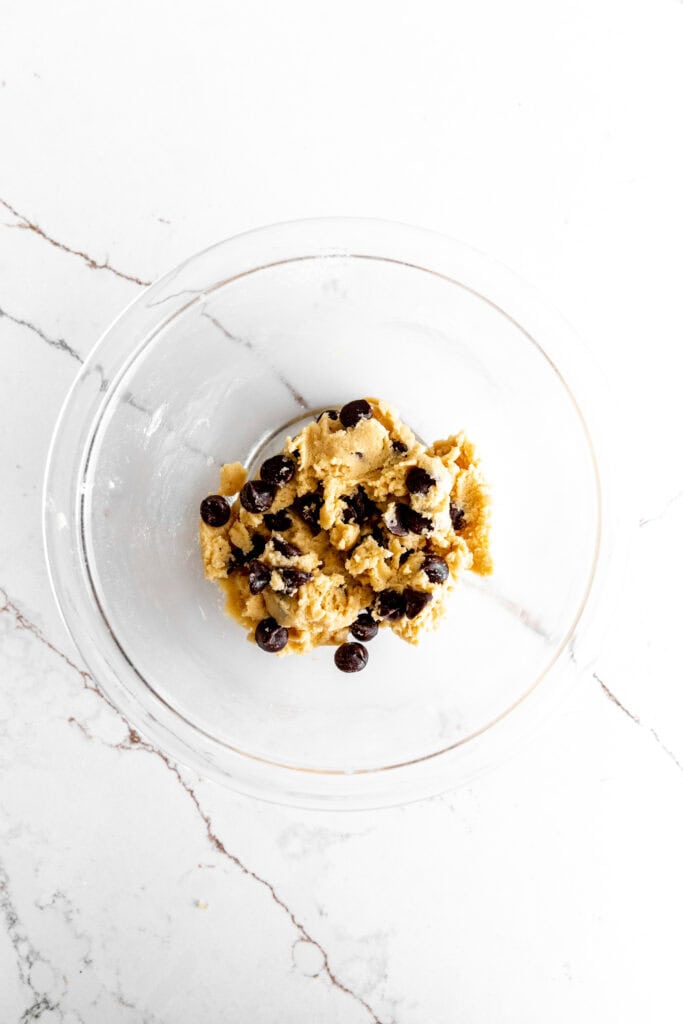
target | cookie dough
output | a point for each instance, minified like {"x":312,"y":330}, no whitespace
{"x":355,"y":525}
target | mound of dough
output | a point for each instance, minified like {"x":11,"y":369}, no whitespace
{"x":350,"y":520}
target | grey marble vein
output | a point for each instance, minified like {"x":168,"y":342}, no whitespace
{"x":62,"y":905}
{"x":636,"y":719}
{"x":59,"y":343}
{"x":134,"y":742}
{"x":28,"y":225}
{"x":245,"y":343}
{"x":175,"y":295}
{"x":518,"y":611}
{"x":130,"y":399}
{"x":645,"y":521}
{"x":26,"y":956}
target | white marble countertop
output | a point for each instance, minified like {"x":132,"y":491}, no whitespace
{"x":132,"y":135}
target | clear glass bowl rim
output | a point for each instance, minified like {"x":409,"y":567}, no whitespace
{"x":247,"y":253}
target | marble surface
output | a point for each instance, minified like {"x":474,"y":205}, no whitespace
{"x":547,"y":135}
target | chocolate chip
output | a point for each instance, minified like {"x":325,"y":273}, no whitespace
{"x":259,"y":576}
{"x":418,"y":481}
{"x":416,"y":601}
{"x":296,"y":454}
{"x":286,"y":549}
{"x":270,"y":636}
{"x":351,"y":657}
{"x":457,"y":517}
{"x":435,"y":569}
{"x":359,"y":508}
{"x":418,"y":523}
{"x":308,"y":507}
{"x":364,"y":628}
{"x":237,"y":557}
{"x":402,"y":519}
{"x":364,"y":506}
{"x":405,"y":556}
{"x":353,"y":412}
{"x":378,"y":536}
{"x":258,"y":545}
{"x":332,"y":413}
{"x":278,"y":470}
{"x":277,"y":520}
{"x":293,"y":579}
{"x":394,"y":521}
{"x":399,"y":447}
{"x":257,"y":496}
{"x":215,"y":510}
{"x":414,"y":521}
{"x":390,"y":605}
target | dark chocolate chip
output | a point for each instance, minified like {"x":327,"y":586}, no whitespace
{"x":296,"y":454}
{"x":237,"y":557}
{"x":258,"y":545}
{"x":418,"y":481}
{"x":416,"y":601}
{"x":259,"y":576}
{"x":435,"y":569}
{"x":332,"y":413}
{"x":364,"y":628}
{"x":293,"y":579}
{"x":215,"y":510}
{"x":257,"y":496}
{"x":278,"y":470}
{"x":270,"y":636}
{"x":394,"y":521}
{"x":353,"y":412}
{"x":351,"y":657}
{"x":378,"y":536}
{"x":277,"y":520}
{"x":414,"y":521}
{"x":359,"y":508}
{"x":405,"y":556}
{"x":390,"y":605}
{"x":308,"y":507}
{"x":457,"y":517}
{"x":285,"y":548}
{"x":364,"y":506}
{"x":399,"y":447}
{"x":402,"y":520}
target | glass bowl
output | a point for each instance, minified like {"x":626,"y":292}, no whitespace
{"x":219,"y":361}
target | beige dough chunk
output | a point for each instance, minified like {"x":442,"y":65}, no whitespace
{"x":233,"y":478}
{"x":353,"y":531}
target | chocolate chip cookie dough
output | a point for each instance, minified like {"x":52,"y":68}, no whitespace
{"x":354,"y":527}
